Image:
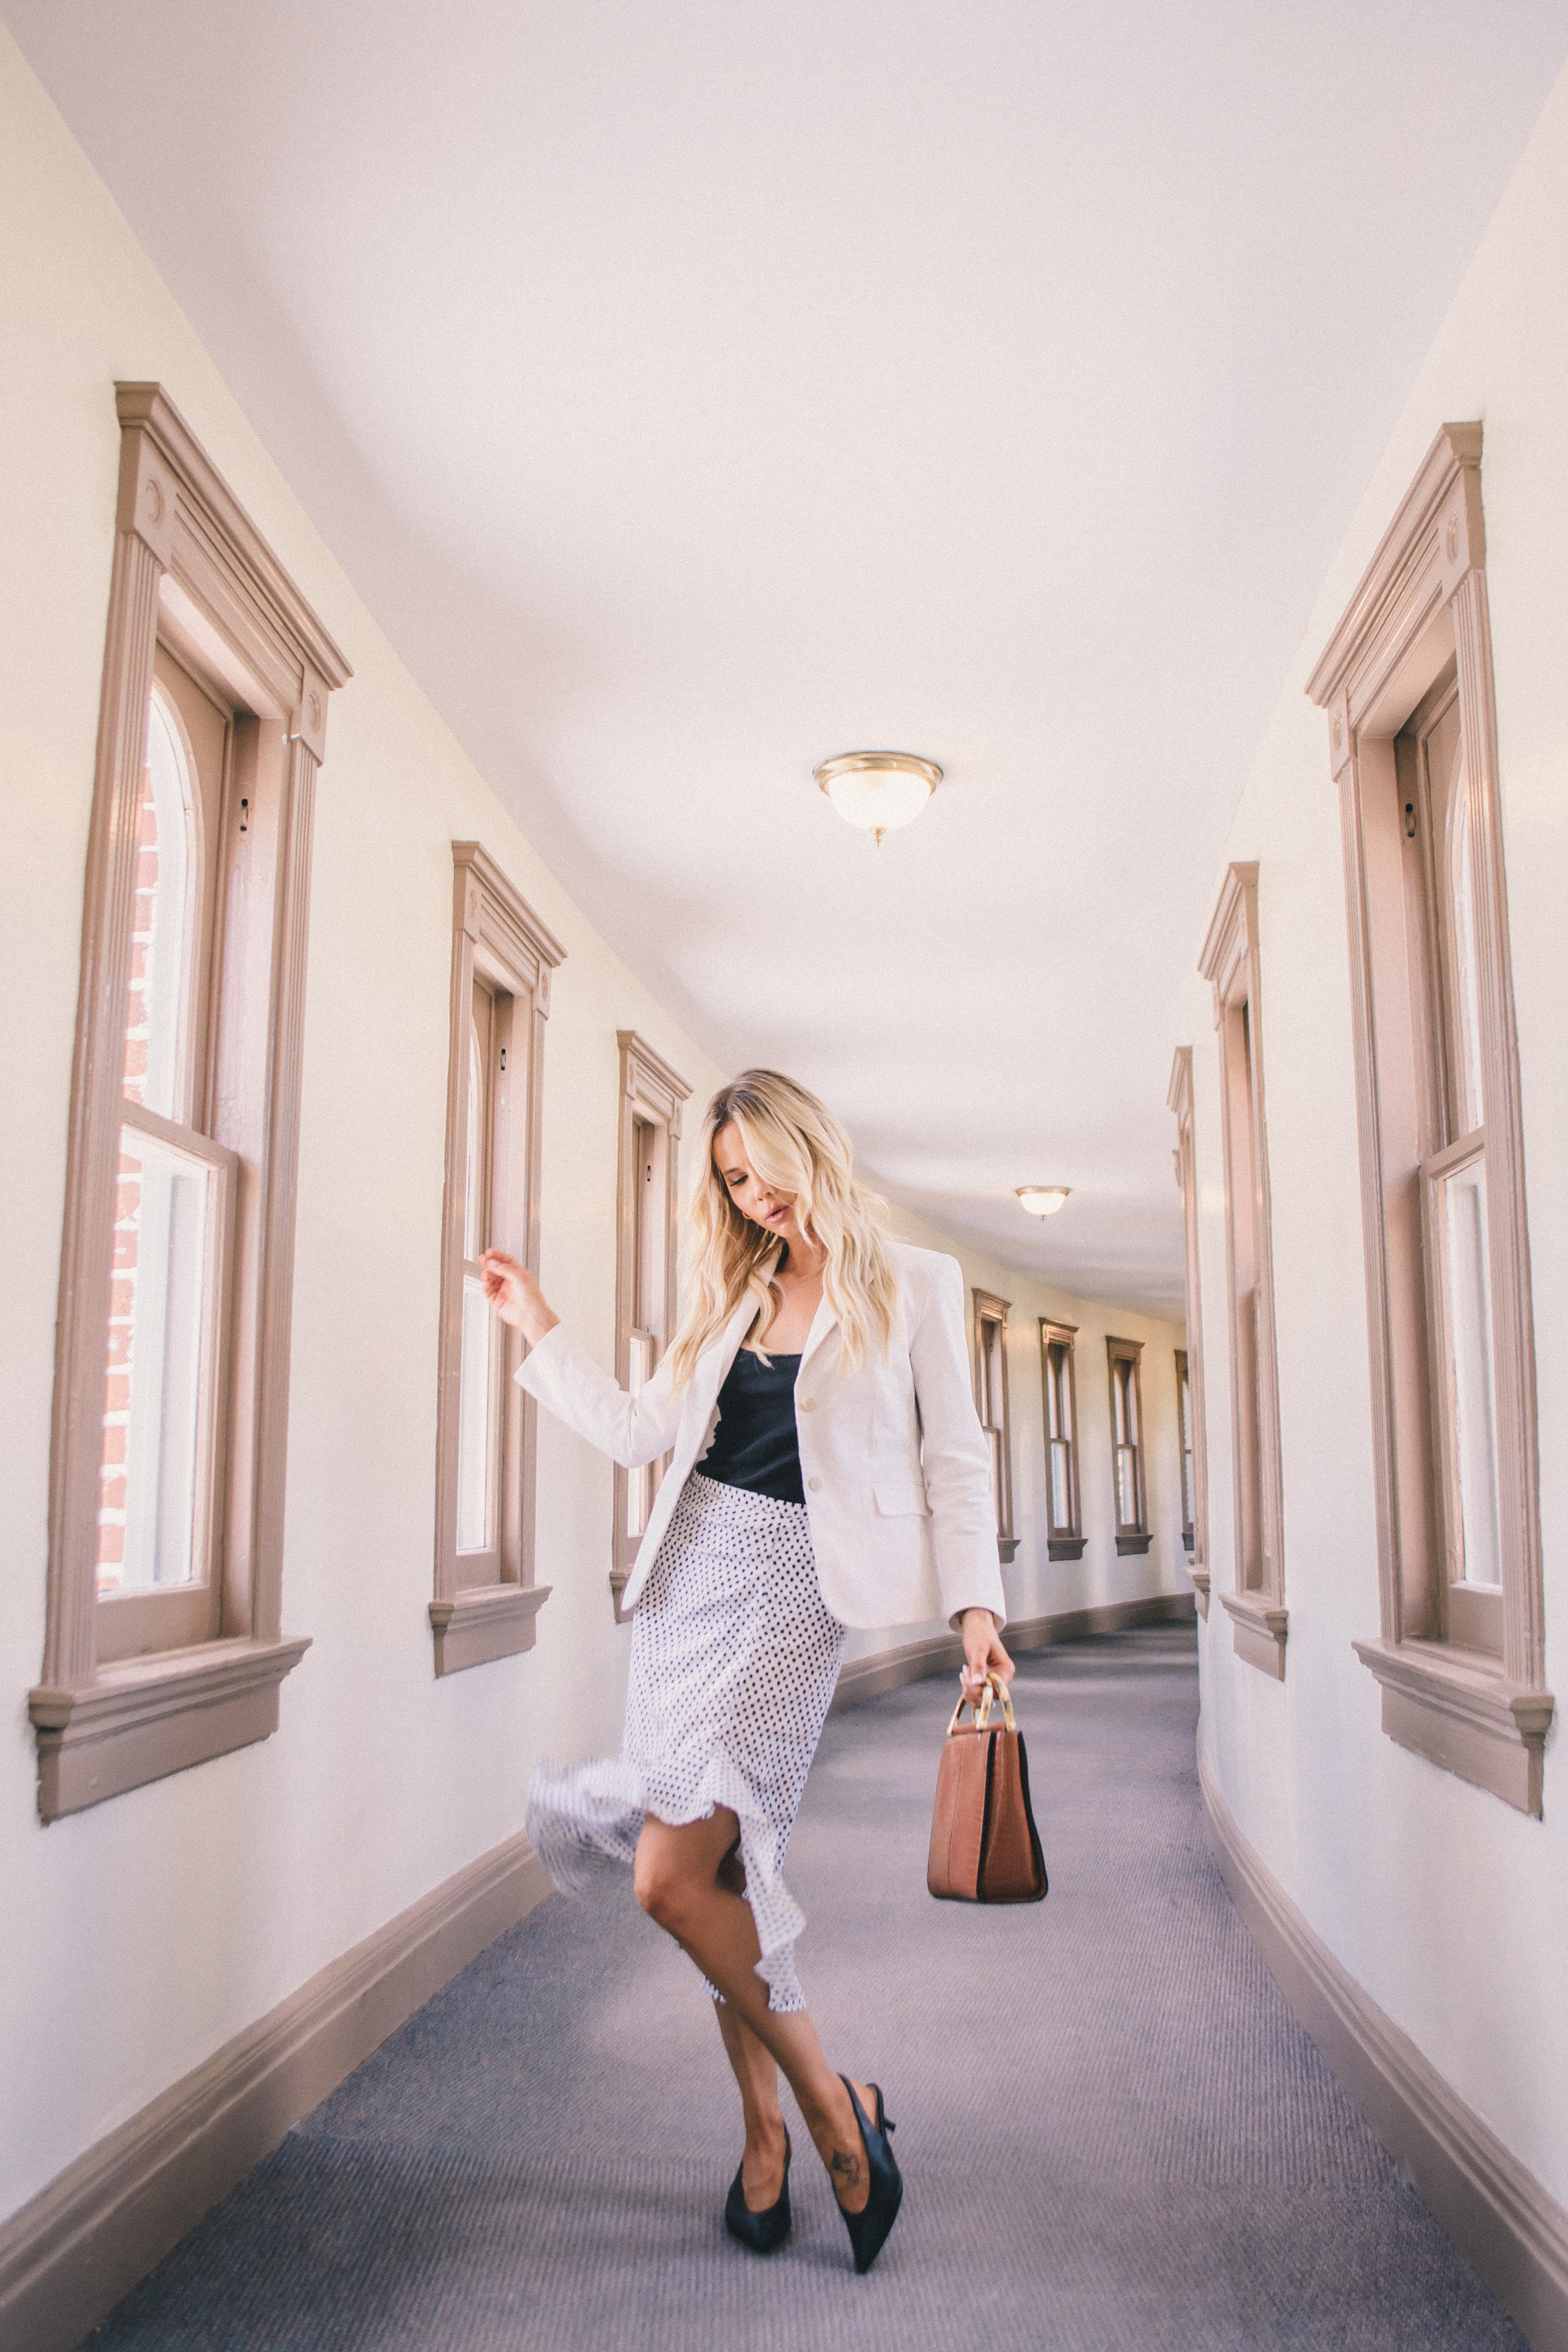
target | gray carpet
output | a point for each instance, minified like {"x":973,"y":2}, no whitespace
{"x":1115,"y":2137}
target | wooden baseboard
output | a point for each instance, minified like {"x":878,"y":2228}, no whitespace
{"x":69,"y":2255}
{"x":1496,"y":2213}
{"x":941,"y":1653}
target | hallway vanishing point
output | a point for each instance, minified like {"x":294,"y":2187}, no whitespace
{"x":1115,"y":2136}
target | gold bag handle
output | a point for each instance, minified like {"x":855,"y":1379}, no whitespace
{"x":980,"y":1709}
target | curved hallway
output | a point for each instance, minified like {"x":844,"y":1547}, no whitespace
{"x":1115,"y":2134}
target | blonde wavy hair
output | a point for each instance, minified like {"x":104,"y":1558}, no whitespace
{"x":795,"y":1145}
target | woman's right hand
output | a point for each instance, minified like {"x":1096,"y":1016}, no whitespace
{"x":516,"y":1296}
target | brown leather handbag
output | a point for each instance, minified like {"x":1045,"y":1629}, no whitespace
{"x":985,"y":1847}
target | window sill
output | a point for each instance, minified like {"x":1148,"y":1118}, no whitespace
{"x":1455,"y":1708}
{"x":1064,"y":1547}
{"x":1131,"y":1547}
{"x":487,"y":1621}
{"x":143,"y":1719}
{"x":1007,"y":1550}
{"x":1260,"y":1625}
{"x":1199,"y":1577}
{"x":620,"y":1578}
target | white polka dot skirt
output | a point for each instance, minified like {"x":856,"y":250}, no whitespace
{"x":734,"y":1655}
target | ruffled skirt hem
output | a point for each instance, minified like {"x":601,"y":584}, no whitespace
{"x":583,"y":1815}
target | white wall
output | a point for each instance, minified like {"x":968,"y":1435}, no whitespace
{"x":1449,"y":1908}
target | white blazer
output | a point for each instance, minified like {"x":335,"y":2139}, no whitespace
{"x":896,"y":1468}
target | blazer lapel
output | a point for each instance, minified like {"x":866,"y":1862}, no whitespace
{"x":822,"y":1322}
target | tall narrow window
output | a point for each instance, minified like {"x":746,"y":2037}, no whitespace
{"x":1184,"y":1435}
{"x":502,"y":957}
{"x":1190,"y":1360}
{"x":160,"y":1535}
{"x":1124,"y":1358}
{"x":1064,"y":1516}
{"x":1406,"y":681}
{"x":164,"y":1644}
{"x":650,"y":1098}
{"x":991,"y":1398}
{"x":1231,"y":962}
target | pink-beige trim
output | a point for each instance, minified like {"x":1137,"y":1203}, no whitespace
{"x":651,"y":1094}
{"x":1179,"y":1100}
{"x":189,"y":568}
{"x":1231,"y":962}
{"x":486,"y":1605}
{"x":1421,"y":603}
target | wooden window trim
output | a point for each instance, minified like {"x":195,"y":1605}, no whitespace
{"x":990,"y":1309}
{"x":191,"y":571}
{"x":1133,"y":1536}
{"x":497,"y":938}
{"x":652,"y":1093}
{"x":1231,"y":962}
{"x":1179,"y":1100}
{"x":1062,"y":1542}
{"x":1422,"y":602}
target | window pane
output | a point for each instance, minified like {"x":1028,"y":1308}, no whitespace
{"x":473,"y":1207}
{"x":1467,"y":961}
{"x":473,"y":1421}
{"x":158,"y":945}
{"x":1469,"y":1326}
{"x":1127,"y":1486}
{"x":152,"y":1402}
{"x":1060,"y":1485}
{"x":995,"y":1436}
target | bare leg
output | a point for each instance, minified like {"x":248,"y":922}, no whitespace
{"x":681,"y":1879}
{"x":762,"y":2166}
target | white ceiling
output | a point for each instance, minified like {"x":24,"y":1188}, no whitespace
{"x":695,"y":390}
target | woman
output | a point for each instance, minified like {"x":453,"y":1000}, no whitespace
{"x":828,"y":1470}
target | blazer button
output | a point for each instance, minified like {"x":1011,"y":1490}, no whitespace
{"x":807,"y":1404}
{"x":815,"y":1485}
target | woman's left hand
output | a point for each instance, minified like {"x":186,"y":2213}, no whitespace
{"x":983,"y":1652}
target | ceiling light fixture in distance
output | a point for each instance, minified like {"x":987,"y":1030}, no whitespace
{"x":878,"y":789}
{"x":1043,"y":1200}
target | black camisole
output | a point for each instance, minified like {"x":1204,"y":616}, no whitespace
{"x":755,"y":1446}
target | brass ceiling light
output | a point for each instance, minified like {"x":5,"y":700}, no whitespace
{"x":1042,"y":1200}
{"x":878,"y":789}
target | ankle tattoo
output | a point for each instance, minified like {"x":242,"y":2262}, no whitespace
{"x":846,"y":2167}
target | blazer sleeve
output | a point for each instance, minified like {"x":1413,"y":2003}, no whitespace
{"x":954,"y":1454}
{"x":630,"y":1429}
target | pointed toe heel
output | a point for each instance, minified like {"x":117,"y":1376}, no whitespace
{"x":763,"y":2232}
{"x":869,"y":2228}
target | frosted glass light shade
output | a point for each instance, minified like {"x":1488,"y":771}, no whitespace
{"x":878,"y":790}
{"x":1042,"y":1200}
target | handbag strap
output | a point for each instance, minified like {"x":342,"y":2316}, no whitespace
{"x":981,"y":1708}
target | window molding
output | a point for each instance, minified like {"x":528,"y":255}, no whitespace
{"x":1124,"y":1364}
{"x":1179,"y":1100}
{"x":498,"y":942}
{"x":991,"y":1394}
{"x":1231,"y":962}
{"x":190,"y":572}
{"x":651,"y":1094}
{"x":1065,"y":1538}
{"x":1420,"y":607}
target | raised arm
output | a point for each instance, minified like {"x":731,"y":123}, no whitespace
{"x":563,"y":1376}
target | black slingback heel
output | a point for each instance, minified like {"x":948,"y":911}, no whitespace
{"x":761,"y":2232}
{"x":869,"y":2228}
